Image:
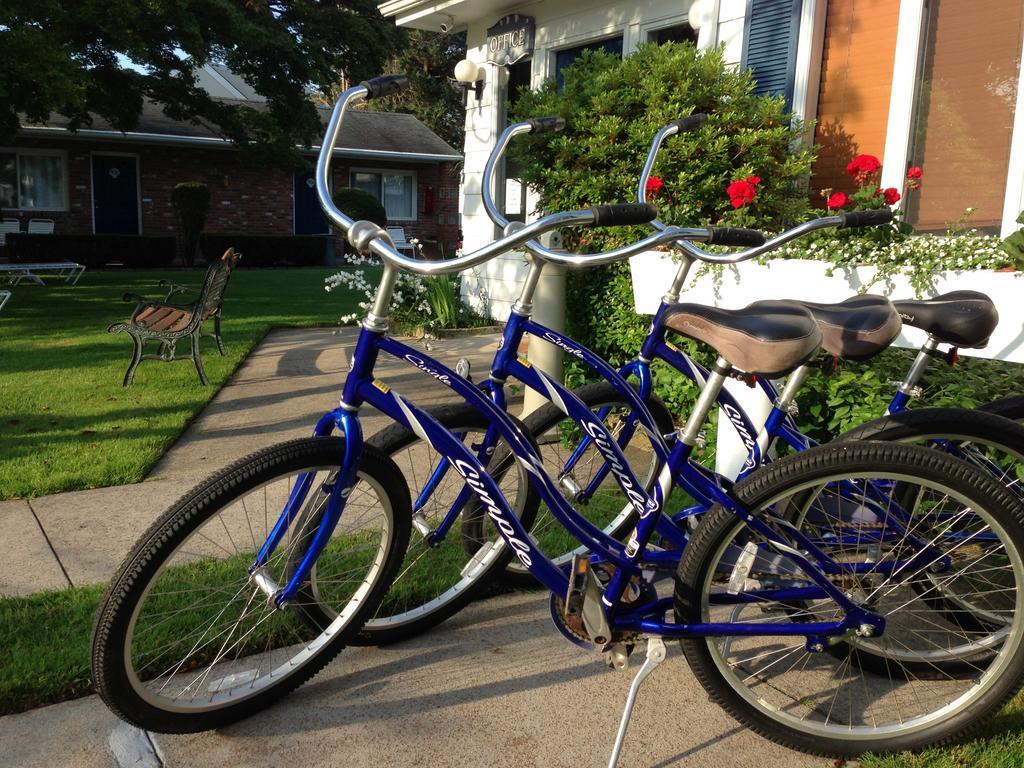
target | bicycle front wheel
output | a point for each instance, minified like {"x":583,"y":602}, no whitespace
{"x":186,"y":640}
{"x":808,"y":697}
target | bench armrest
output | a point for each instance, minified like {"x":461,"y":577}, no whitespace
{"x":173,"y":288}
{"x":133,"y":297}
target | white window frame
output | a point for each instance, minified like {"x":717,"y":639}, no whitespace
{"x":18,"y":152}
{"x":664,"y":22}
{"x":901,"y":116}
{"x":393,"y":172}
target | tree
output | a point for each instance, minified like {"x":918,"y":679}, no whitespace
{"x":429,"y":59}
{"x":105,"y":57}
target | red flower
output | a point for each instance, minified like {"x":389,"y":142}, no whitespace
{"x":742,"y":192}
{"x":755,"y":180}
{"x":837,"y":200}
{"x":891,"y":195}
{"x":863,"y":166}
{"x":914,"y":172}
{"x":653,"y":185}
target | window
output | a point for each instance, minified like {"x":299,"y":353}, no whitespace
{"x":964,"y":111}
{"x":32,"y":180}
{"x":396,"y":190}
{"x":680,"y":33}
{"x":563,"y":59}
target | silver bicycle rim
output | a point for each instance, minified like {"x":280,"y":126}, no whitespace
{"x":219,"y":690}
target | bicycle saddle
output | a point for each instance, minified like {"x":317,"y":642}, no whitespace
{"x":769,"y":338}
{"x":857,"y":328}
{"x":962,"y":318}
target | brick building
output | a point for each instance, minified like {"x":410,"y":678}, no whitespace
{"x":100,"y":180}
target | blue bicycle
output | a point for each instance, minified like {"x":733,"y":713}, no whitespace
{"x":202,"y":624}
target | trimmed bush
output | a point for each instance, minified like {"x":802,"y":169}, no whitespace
{"x":743,"y":168}
{"x":267,"y":250}
{"x":94,"y":251}
{"x":191,"y":200}
{"x":360,"y":204}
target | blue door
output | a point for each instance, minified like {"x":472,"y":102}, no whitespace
{"x":309,"y":217}
{"x":115,"y":195}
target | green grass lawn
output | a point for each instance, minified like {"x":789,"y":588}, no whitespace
{"x":66,"y":423}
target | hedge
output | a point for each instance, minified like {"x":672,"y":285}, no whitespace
{"x":94,"y":251}
{"x":268,"y":250}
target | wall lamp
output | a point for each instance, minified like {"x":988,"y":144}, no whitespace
{"x":470,"y":76}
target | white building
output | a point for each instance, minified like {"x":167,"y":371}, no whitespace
{"x":929,"y":83}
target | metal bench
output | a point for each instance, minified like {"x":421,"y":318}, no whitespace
{"x":168,"y":323}
{"x":69,"y":271}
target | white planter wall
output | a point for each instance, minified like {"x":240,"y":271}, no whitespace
{"x":804,"y":279}
{"x":741,"y":284}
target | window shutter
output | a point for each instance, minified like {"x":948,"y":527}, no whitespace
{"x":769,"y":47}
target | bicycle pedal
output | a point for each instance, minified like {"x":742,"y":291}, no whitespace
{"x":741,"y":570}
{"x":583,"y":599}
{"x":571,"y":486}
{"x":463,"y":369}
{"x":419,"y":522}
{"x":617,"y":657}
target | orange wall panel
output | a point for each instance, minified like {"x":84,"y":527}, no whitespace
{"x":856,"y":80}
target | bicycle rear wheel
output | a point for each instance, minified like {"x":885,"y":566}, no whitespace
{"x":186,"y":640}
{"x":790,"y":690}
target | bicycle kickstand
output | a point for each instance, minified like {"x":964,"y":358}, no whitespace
{"x":655,"y":655}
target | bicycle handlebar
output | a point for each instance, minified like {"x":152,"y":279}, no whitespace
{"x":366,"y":236}
{"x":755,"y":241}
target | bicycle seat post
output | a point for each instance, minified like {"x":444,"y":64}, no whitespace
{"x":655,"y":655}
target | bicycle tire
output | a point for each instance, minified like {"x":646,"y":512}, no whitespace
{"x":960,"y":426}
{"x":423,"y":565}
{"x":1011,"y":407}
{"x":790,"y":724}
{"x":179,"y":549}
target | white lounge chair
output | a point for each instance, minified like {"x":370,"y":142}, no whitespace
{"x":8,"y":227}
{"x":40,"y":226}
{"x":397,"y":234}
{"x":4,"y":296}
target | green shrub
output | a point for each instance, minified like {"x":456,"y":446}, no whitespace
{"x":268,"y":250}
{"x":191,"y":201}
{"x":360,"y":204}
{"x":93,"y":251}
{"x":613,"y":107}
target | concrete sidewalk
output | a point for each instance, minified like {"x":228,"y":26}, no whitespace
{"x":292,"y":377}
{"x":495,"y":686}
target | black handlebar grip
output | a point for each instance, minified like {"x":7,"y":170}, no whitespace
{"x":691,"y":123}
{"x":623,"y":214}
{"x":385,"y":85}
{"x":746,"y":238}
{"x":866,"y":218}
{"x":551,"y":124}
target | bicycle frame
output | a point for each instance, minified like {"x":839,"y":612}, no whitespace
{"x":361,"y":388}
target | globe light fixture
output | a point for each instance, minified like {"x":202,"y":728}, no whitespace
{"x":470,"y":76}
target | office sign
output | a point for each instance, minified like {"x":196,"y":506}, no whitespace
{"x":510,"y":40}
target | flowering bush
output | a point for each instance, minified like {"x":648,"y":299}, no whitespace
{"x":613,"y":107}
{"x":431,"y":302}
{"x":919,"y":257}
{"x":743,"y":191}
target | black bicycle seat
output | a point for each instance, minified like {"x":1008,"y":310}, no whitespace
{"x":961,"y":318}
